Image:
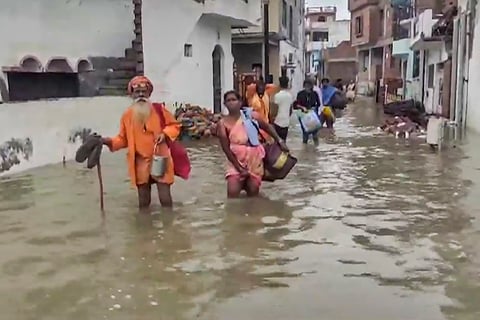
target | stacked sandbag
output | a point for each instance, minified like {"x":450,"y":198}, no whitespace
{"x":401,"y":126}
{"x":197,"y":122}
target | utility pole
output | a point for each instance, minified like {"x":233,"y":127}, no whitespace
{"x":266,"y":42}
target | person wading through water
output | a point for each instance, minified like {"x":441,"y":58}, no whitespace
{"x":238,"y":133}
{"x":142,"y":134}
{"x":326,"y":111}
{"x":308,"y":99}
{"x":282,"y":101}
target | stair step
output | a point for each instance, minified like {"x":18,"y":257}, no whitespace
{"x":119,"y":82}
{"x":109,"y":90}
{"x":130,"y":54}
{"x":127,"y":64}
{"x":137,"y":45}
{"x":122,"y":74}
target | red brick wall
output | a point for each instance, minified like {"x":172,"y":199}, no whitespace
{"x":343,"y":51}
{"x":346,"y":70}
{"x":370,"y":17}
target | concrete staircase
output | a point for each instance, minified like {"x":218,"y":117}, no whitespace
{"x":123,"y":69}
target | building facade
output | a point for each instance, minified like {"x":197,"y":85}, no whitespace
{"x":323,"y":30}
{"x":286,"y":39}
{"x":52,"y":44}
{"x":373,"y":23}
{"x":469,"y":11}
{"x":58,"y":57}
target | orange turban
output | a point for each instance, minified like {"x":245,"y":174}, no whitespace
{"x":140,"y":81}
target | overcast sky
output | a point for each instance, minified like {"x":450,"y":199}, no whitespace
{"x":340,"y":4}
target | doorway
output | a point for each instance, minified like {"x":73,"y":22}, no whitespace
{"x":217,"y":61}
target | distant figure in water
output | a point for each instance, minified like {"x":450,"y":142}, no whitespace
{"x":307,"y":99}
{"x":241,"y":141}
{"x":140,"y":131}
{"x":326,"y":112}
{"x":339,"y":84}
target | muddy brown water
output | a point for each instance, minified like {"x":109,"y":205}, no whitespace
{"x":366,"y":227}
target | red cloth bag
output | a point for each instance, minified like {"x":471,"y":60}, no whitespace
{"x":181,"y":161}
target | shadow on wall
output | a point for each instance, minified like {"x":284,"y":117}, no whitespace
{"x":3,"y":90}
{"x":13,"y":150}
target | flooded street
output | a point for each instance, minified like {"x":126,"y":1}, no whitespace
{"x":366,"y":227}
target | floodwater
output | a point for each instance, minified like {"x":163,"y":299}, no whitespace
{"x":366,"y":227}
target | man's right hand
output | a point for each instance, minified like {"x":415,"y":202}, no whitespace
{"x":106,"y":141}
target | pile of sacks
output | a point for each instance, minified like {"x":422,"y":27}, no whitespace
{"x":196,"y":122}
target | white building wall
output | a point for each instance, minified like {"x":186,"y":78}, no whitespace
{"x":473,"y":111}
{"x":60,"y":28}
{"x":50,"y":123}
{"x":338,"y":31}
{"x":186,"y":79}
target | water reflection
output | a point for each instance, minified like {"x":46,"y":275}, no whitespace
{"x":362,"y":215}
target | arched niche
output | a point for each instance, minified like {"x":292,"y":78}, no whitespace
{"x":31,"y":64}
{"x":84,"y":65}
{"x":58,"y":65}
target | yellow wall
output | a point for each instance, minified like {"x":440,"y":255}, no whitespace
{"x":275,"y":15}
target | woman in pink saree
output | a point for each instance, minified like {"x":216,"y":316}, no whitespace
{"x":240,"y":140}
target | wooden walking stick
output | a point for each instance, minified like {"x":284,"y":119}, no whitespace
{"x":100,"y":182}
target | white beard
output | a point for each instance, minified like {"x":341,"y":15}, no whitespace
{"x":141,"y":111}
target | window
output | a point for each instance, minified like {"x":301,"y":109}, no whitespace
{"x":320,"y":36}
{"x":382,"y":23}
{"x":366,"y":57}
{"x":284,"y":14}
{"x":25,"y":86}
{"x":290,"y":24}
{"x":187,"y":50}
{"x":322,"y":19}
{"x":416,"y":64}
{"x":431,"y":75}
{"x":359,"y":26}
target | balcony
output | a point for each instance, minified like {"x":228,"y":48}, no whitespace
{"x":316,"y":46}
{"x":422,"y":39}
{"x":326,"y":9}
{"x":239,"y":13}
{"x":316,"y":26}
{"x":401,"y":48}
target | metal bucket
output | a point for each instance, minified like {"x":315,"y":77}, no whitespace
{"x":159,"y":164}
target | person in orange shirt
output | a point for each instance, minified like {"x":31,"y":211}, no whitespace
{"x":270,"y":89}
{"x":143,"y":135}
{"x":260,"y":102}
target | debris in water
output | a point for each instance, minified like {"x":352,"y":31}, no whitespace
{"x":113,"y":297}
{"x":122,"y":258}
{"x":128,"y":296}
{"x":153,"y":303}
{"x":117,"y":306}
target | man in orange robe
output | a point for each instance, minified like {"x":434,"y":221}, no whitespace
{"x":142,"y":134}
